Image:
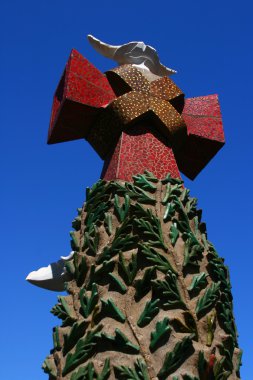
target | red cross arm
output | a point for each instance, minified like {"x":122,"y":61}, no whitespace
{"x":81,"y":93}
{"x":205,"y":136}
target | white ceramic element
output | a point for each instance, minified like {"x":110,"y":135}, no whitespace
{"x":53,"y":276}
{"x":136,"y":53}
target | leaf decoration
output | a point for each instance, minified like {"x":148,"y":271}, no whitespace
{"x":49,"y":367}
{"x":74,"y":241}
{"x":109,"y":308}
{"x":128,"y":271}
{"x":202,"y":366}
{"x":169,"y":211}
{"x":193,"y":250}
{"x":83,"y":349}
{"x":88,"y":372}
{"x":118,"y":284}
{"x":88,"y":303}
{"x":77,"y":267}
{"x":100,"y":273}
{"x":105,"y":373}
{"x":226,"y":317}
{"x":96,"y":195}
{"x":187,"y":325}
{"x":76,"y":223}
{"x":208,"y":299}
{"x":139,"y":372}
{"x":185,"y":195}
{"x":150,"y":176}
{"x":211,"y":324}
{"x":220,"y":273}
{"x":156,"y":258}
{"x":173,"y":234}
{"x":91,"y":240}
{"x":121,"y":212}
{"x":139,"y":194}
{"x":123,"y":241}
{"x":143,"y":182}
{"x":161,"y":334}
{"x":120,"y":342}
{"x":56,"y":339}
{"x":108,"y":223}
{"x":172,"y":180}
{"x":168,"y":291}
{"x":150,"y":311}
{"x":77,"y":331}
{"x":63,"y":311}
{"x":96,"y":215}
{"x":198,"y":282}
{"x":143,"y":285}
{"x":176,"y":357}
{"x":150,"y":226}
{"x":190,"y":207}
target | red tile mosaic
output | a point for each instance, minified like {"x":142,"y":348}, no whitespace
{"x":81,"y":85}
{"x":140,"y":148}
{"x":134,"y":121}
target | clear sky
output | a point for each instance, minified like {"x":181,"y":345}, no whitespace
{"x":210,"y":44}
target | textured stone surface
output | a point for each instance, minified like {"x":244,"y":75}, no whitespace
{"x":149,"y":297}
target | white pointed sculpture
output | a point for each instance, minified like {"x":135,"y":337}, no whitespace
{"x":136,"y":53}
{"x":53,"y":276}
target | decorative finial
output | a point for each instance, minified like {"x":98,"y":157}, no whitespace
{"x":136,"y":53}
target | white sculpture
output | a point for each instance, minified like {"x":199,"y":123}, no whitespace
{"x":136,"y":53}
{"x":53,"y":276}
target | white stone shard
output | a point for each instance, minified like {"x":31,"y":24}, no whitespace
{"x":136,"y":53}
{"x":53,"y":276}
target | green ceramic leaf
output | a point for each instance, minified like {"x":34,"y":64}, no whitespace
{"x":143,"y":285}
{"x":202,"y":366}
{"x":161,"y":334}
{"x":75,"y":245}
{"x":173,"y":234}
{"x":121,"y":211}
{"x":185,"y":325}
{"x":76,"y":223}
{"x":139,"y":194}
{"x":157,"y":259}
{"x":118,"y":284}
{"x":105,"y":373}
{"x":63,"y":311}
{"x":128,"y":270}
{"x":123,"y":241}
{"x":77,"y":331}
{"x":88,"y":302}
{"x":208,"y":299}
{"x":193,"y":250}
{"x":169,"y":211}
{"x":139,"y":372}
{"x":198,"y":282}
{"x":150,"y":311}
{"x":150,"y":226}
{"x":56,"y":340}
{"x":91,"y":240}
{"x":172,"y":180}
{"x":176,"y":357}
{"x":142,"y":181}
{"x":109,"y":308}
{"x":108,"y":223}
{"x":100,"y":273}
{"x":168,"y":291}
{"x":82,"y":351}
{"x":120,"y":342}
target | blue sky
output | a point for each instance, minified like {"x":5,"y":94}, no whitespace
{"x":210,"y":44}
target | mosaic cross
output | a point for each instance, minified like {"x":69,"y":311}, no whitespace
{"x":135,"y":121}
